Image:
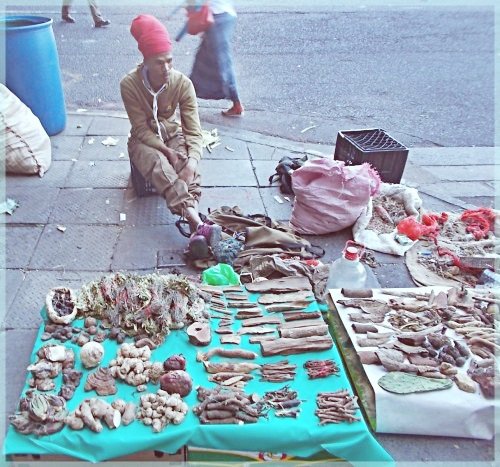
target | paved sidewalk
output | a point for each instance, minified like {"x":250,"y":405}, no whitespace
{"x":87,"y":188}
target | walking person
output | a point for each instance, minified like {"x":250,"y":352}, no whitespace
{"x":99,"y":20}
{"x":213,"y":74}
{"x":162,"y":148}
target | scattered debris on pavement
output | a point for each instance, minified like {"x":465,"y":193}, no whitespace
{"x":8,"y":206}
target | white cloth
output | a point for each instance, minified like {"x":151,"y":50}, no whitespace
{"x":222,"y":6}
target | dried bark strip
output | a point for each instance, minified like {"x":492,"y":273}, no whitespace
{"x":259,"y":321}
{"x":286,"y":346}
{"x":320,"y":330}
{"x":297,"y":316}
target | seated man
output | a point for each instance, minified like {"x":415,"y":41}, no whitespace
{"x":164,"y":150}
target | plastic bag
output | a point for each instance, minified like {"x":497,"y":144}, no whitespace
{"x":330,"y":196}
{"x":220,"y":274}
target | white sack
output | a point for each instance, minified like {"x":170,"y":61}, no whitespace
{"x":27,"y":145}
{"x":386,"y":242}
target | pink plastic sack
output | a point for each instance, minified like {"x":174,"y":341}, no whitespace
{"x":330,"y":196}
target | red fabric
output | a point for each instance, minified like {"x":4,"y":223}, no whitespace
{"x":480,"y":221}
{"x":151,"y":35}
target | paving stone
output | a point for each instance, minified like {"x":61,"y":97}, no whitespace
{"x":99,"y":152}
{"x":261,"y":151}
{"x":227,"y":173}
{"x":444,"y":190}
{"x":88,"y":206}
{"x":263,"y":170}
{"x":35,"y":206}
{"x":480,"y":201}
{"x":465,"y":173}
{"x":280,"y":153}
{"x":415,"y":176}
{"x":19,"y":243}
{"x":80,"y":247}
{"x":105,"y":126}
{"x":148,"y":210}
{"x":471,"y":157}
{"x":239,"y":148}
{"x":15,"y":363}
{"x":77,"y":124}
{"x":12,"y":278}
{"x":169,"y":260}
{"x":54,"y":177}
{"x":333,"y":244}
{"x":248,"y":199}
{"x":66,"y":147}
{"x":24,"y":311}
{"x":275,"y":210}
{"x":432,"y":204}
{"x":393,"y":275}
{"x":137,"y":246}
{"x":104,"y":174}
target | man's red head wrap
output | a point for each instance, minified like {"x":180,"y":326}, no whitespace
{"x":152,"y":37}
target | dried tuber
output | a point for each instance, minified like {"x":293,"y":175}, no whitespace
{"x":91,"y":354}
{"x":175,"y":362}
{"x":176,"y":382}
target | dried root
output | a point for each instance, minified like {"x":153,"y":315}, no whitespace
{"x":160,"y":409}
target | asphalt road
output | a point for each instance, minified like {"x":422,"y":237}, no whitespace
{"x":423,"y":73}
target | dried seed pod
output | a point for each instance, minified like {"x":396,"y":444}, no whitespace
{"x":60,"y":305}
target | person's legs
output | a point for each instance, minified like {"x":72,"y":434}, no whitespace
{"x":226,"y":25}
{"x":65,"y":15}
{"x":99,"y":20}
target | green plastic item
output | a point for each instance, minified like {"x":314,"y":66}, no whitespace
{"x":220,"y":274}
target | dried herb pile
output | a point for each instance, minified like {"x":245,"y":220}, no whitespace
{"x":143,"y":305}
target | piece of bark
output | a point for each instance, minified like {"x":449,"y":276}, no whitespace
{"x":366,"y":318}
{"x":259,"y":339}
{"x":410,"y":349}
{"x":232,"y":288}
{"x":259,"y":321}
{"x":256,"y":330}
{"x":224,"y":330}
{"x":236,"y":296}
{"x":286,"y":346}
{"x":199,"y":333}
{"x":293,"y":306}
{"x":299,"y":315}
{"x":393,"y":354}
{"x":368,"y":357}
{"x":244,"y":314}
{"x":302,"y":323}
{"x":361,"y":328}
{"x":241,"y":304}
{"x":419,"y":360}
{"x":295,"y":333}
{"x":365,"y":342}
{"x":224,"y":311}
{"x":268,"y":299}
{"x":230,"y":339}
{"x":283,"y":284}
{"x":412,"y":340}
{"x":357,"y":293}
{"x":212,"y":290}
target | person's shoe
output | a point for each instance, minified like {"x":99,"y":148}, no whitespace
{"x":198,"y":247}
{"x":211,"y":232}
{"x":101,"y":23}
{"x":68,"y":18}
{"x":236,"y":110}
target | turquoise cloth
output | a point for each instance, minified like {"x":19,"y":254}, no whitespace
{"x":298,"y":437}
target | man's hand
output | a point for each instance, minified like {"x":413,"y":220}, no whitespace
{"x":189,"y":170}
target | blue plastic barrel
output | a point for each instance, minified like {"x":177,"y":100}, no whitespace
{"x":32,"y":70}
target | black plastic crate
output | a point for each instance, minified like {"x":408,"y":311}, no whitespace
{"x":377,"y":148}
{"x":141,"y":186}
